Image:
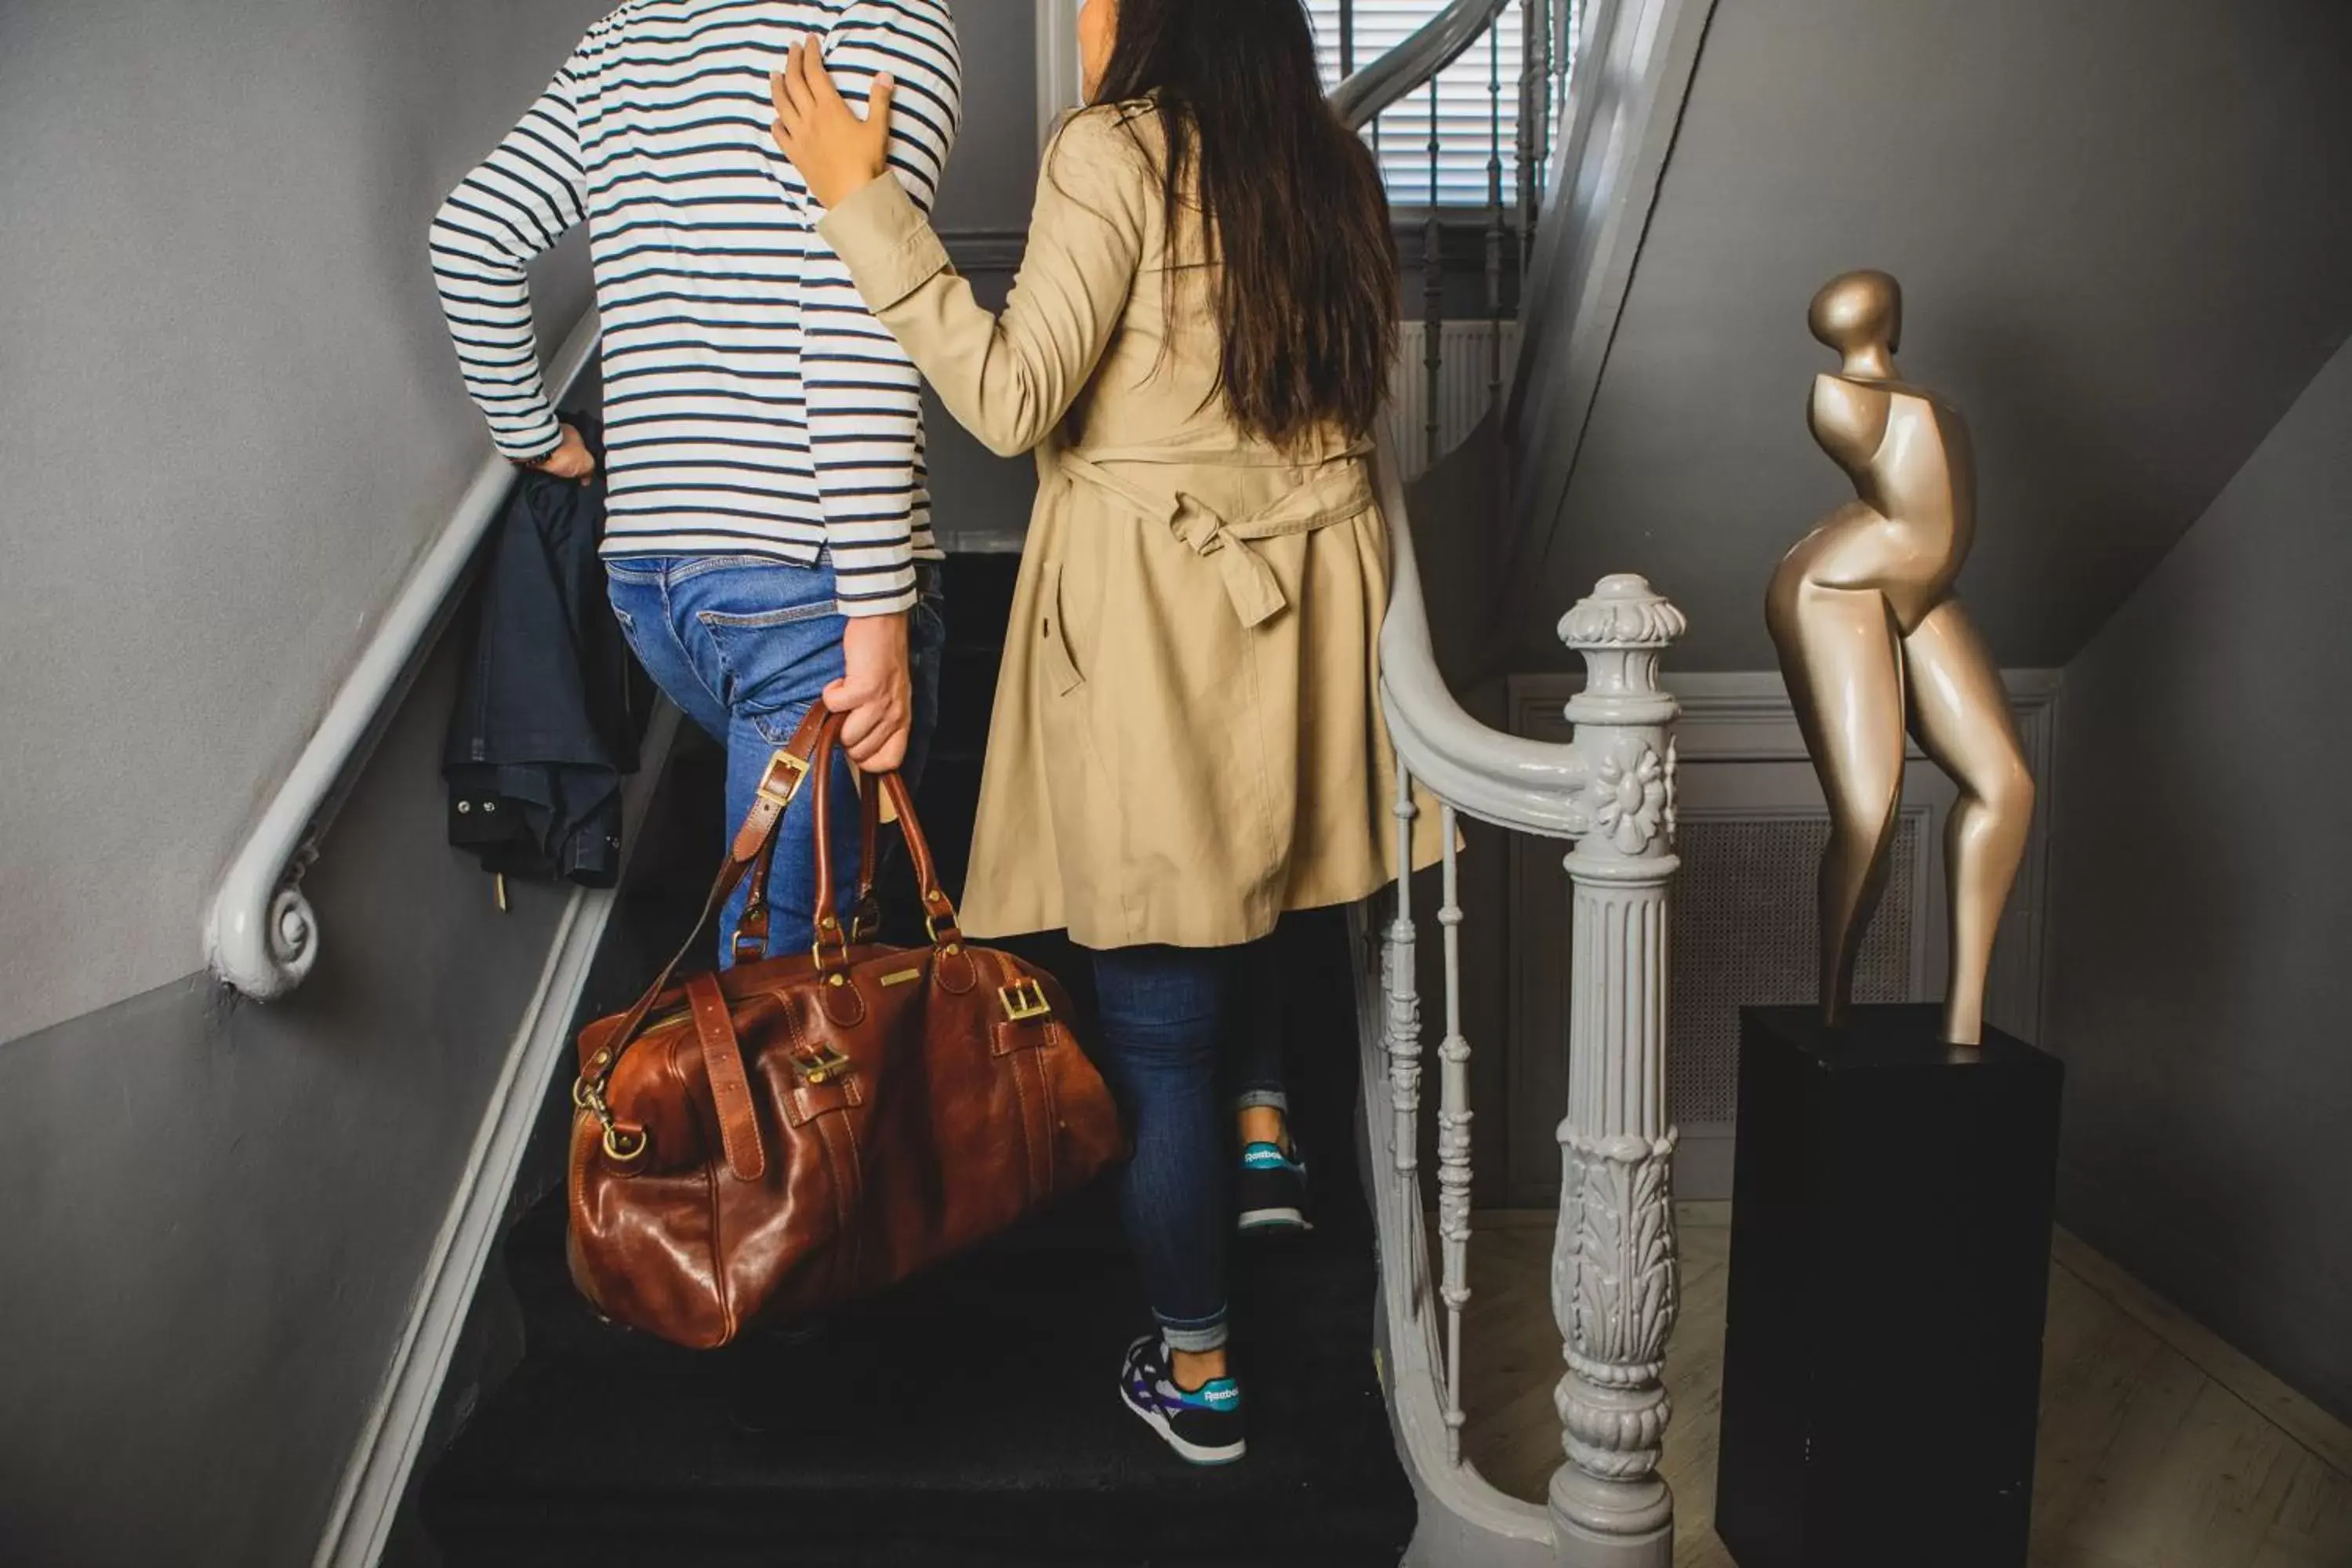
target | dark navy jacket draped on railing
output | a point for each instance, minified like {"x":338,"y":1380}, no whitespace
{"x":551,"y":703}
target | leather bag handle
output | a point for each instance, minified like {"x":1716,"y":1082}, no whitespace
{"x":750,"y":939}
{"x":938,"y":910}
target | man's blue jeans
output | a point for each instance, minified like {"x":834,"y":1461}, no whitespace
{"x":743,"y":646}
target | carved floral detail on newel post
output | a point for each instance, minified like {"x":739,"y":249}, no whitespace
{"x":1632,"y":797}
{"x":1615,"y":1295}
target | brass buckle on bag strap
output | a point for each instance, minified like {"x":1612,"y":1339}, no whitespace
{"x":1024,"y":1000}
{"x":783,"y":779}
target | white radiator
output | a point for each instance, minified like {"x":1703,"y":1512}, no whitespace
{"x":1466,"y":379}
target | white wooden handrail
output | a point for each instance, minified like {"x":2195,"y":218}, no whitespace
{"x":261,"y":934}
{"x":1509,"y":780}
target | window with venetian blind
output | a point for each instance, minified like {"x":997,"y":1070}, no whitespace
{"x":1465,"y":102}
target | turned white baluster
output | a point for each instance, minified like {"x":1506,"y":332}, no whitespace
{"x":1453,"y":1145}
{"x":1614,"y":1281}
{"x":1402,"y":1037}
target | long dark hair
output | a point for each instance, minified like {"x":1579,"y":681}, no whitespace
{"x":1294,"y":207}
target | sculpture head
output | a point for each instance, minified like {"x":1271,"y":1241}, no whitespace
{"x":1860,"y":314}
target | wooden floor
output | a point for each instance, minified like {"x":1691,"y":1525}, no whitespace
{"x":2160,"y":1446}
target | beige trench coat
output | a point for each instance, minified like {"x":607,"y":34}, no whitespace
{"x":1187,"y":740}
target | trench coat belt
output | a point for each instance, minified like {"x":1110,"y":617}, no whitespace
{"x":1331,"y":491}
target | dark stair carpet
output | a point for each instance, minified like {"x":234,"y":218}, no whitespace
{"x":969,"y":1419}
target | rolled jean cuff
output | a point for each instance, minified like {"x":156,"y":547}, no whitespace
{"x":1195,"y":1336}
{"x":1262,"y":1099}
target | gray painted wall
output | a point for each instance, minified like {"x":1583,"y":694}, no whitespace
{"x":217,"y":1215}
{"x":2198,"y":990}
{"x":2122,"y":229}
{"x":228,"y":421}
{"x":994,"y":175}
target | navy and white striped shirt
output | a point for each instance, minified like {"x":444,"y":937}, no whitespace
{"x":752,"y":404}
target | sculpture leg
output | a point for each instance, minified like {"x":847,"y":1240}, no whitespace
{"x":1842,"y":657}
{"x":1961,"y":715}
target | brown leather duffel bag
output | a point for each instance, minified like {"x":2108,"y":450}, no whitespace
{"x":800,"y":1131}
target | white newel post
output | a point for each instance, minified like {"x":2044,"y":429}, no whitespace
{"x":1615,"y":1287}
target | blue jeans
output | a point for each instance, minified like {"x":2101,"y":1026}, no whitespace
{"x":1187,"y":1034}
{"x":744,"y":645}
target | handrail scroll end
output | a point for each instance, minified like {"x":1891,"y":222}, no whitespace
{"x":261,"y":933}
{"x":263,"y":941}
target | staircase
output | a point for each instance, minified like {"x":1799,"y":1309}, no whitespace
{"x":969,"y":1417}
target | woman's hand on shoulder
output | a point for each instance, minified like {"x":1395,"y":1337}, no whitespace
{"x":837,"y":153}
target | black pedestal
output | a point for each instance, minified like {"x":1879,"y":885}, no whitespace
{"x":1890,"y":1265}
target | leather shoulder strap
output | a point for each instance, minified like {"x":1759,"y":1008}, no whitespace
{"x":786,"y":770}
{"x":730,"y":1090}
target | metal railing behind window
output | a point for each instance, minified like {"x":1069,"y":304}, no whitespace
{"x":1486,"y":41}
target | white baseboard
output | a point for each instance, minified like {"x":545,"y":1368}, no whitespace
{"x":377,"y":1474}
{"x":1744,"y":717}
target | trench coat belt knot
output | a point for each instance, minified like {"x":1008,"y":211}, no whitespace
{"x":1331,"y":491}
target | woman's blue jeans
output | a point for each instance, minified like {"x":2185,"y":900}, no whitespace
{"x":744,"y":645}
{"x":1187,"y":1035}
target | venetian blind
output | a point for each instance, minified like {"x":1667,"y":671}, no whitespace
{"x":1466,"y":109}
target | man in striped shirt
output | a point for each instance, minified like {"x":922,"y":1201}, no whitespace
{"x":767,"y":534}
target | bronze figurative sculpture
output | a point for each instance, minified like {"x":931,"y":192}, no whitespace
{"x":1871,"y":638}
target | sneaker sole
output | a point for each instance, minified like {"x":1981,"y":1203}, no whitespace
{"x":1191,"y":1453}
{"x":1273,"y":1219}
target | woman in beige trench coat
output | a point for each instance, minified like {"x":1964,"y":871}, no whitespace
{"x":1187,"y":740}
